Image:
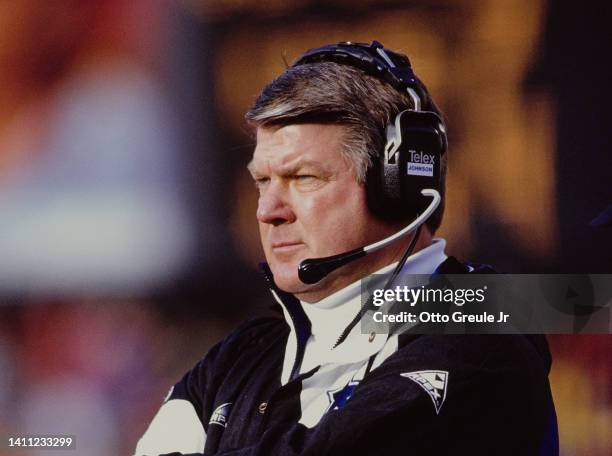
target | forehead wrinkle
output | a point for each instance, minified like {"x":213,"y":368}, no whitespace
{"x":277,"y":155}
{"x":285,"y":164}
{"x":293,"y":166}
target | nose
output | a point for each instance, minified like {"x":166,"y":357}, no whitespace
{"x":274,"y":206}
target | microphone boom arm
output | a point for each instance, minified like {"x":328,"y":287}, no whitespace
{"x":422,"y":218}
{"x":313,"y":270}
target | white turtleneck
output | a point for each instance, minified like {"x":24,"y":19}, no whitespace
{"x":332,"y":314}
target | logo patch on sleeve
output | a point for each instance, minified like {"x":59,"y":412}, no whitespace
{"x":220,"y":415}
{"x":433,"y":382}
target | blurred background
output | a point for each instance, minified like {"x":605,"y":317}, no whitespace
{"x":128,"y":242}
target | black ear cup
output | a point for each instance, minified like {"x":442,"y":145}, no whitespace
{"x":416,"y":142}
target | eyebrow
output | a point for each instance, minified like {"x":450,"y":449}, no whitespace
{"x":291,"y":168}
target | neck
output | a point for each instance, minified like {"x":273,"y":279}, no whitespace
{"x":369,"y":264}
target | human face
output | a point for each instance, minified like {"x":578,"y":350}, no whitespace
{"x":311,"y":206}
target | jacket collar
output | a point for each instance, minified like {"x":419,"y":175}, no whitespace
{"x":327,"y":318}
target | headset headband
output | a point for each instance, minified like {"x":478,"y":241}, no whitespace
{"x":374,"y":59}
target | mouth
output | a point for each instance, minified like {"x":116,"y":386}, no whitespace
{"x":282,"y":244}
{"x":286,"y":247}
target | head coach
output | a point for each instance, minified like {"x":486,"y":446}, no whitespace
{"x":350,"y":165}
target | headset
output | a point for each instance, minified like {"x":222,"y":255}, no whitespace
{"x":416,"y":140}
{"x":404,"y":180}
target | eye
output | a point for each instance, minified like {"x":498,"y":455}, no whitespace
{"x":261,"y":181}
{"x":304,"y":177}
{"x":308,"y":182}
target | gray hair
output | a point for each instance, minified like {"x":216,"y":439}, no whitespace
{"x":328,"y":92}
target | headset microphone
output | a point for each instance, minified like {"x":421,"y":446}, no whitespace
{"x":313,"y":270}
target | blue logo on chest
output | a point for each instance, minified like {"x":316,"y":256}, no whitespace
{"x":338,"y":398}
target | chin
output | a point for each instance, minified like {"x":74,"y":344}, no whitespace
{"x":286,"y":278}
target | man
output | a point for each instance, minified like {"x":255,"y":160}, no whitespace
{"x":333,"y":135}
